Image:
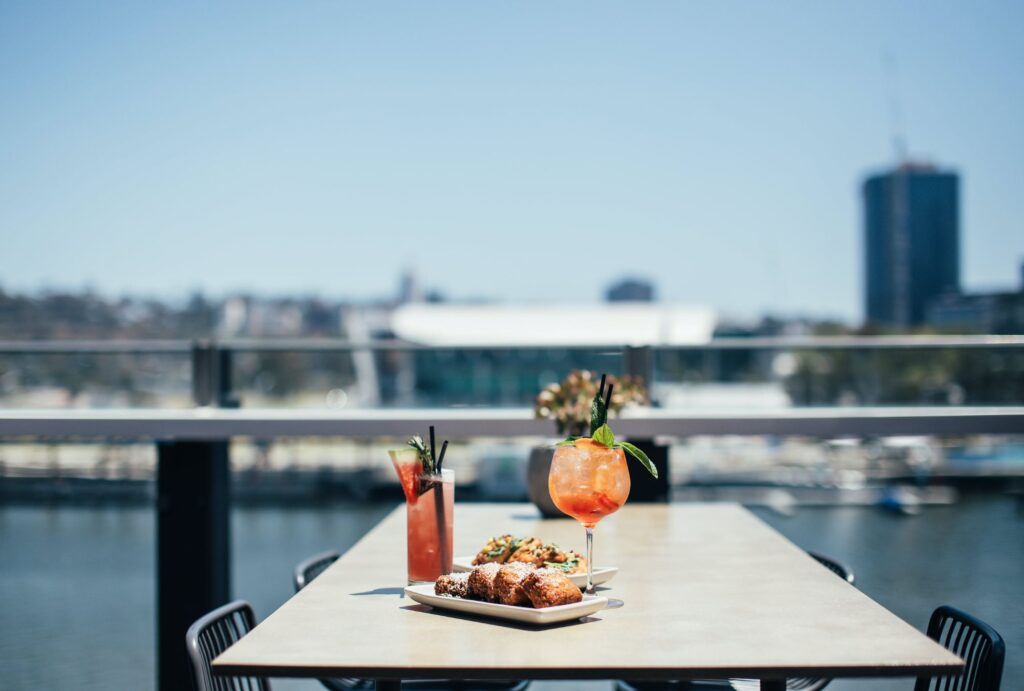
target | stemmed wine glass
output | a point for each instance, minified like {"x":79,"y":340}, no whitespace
{"x":588,"y":481}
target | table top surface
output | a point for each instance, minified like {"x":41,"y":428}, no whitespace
{"x":707,"y":591}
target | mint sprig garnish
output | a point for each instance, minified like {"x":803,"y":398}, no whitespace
{"x":423,"y":451}
{"x":638,"y":455}
{"x":430,"y":461}
{"x":601,"y":432}
{"x":604,"y":435}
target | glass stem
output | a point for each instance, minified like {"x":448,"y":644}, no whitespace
{"x":590,"y":561}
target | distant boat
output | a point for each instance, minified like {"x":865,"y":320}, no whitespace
{"x":900,"y":500}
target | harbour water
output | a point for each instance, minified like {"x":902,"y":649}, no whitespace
{"x":77,"y":588}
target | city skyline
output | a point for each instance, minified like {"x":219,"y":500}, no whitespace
{"x":518,"y":155}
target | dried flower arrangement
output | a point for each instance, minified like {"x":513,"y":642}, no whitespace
{"x":568,"y":403}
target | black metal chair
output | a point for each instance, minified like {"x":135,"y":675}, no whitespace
{"x":977,"y":643}
{"x":308,"y":569}
{"x":838,"y":568}
{"x":800,"y":684}
{"x":211,"y":635}
{"x":305,"y":571}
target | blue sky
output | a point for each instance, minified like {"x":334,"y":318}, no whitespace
{"x":521,"y":151}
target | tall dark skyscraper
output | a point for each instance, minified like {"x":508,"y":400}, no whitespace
{"x":911,"y":242}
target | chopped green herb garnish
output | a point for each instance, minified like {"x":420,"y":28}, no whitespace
{"x":566,"y":566}
{"x":601,"y":433}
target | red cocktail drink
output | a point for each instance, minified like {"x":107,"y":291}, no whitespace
{"x":430,"y":508}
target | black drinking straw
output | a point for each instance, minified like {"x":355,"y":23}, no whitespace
{"x":438,"y":486}
{"x":600,"y":390}
{"x":433,"y":450}
{"x":608,"y":398}
{"x":440,"y":459}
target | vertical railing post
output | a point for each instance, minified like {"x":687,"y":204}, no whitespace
{"x":204,"y":373}
{"x":226,"y":397}
{"x":193,"y":523}
{"x":638,"y":361}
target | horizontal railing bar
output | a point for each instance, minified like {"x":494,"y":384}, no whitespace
{"x":460,"y":423}
{"x":96,"y":347}
{"x":758,"y":343}
{"x":169,"y":346}
{"x":854,"y":342}
{"x":268,"y":345}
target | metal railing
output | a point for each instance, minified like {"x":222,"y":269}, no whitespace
{"x":343,"y":344}
{"x":213,"y":361}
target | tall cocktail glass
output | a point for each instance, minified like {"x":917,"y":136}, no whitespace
{"x":588,"y":481}
{"x":430,"y":509}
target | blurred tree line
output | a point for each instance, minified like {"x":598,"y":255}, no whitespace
{"x":59,"y":315}
{"x":145,"y":378}
{"x":906,"y":376}
{"x":853,"y":377}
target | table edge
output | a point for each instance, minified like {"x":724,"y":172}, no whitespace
{"x":639,"y":673}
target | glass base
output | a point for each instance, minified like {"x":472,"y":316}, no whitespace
{"x":415,"y":582}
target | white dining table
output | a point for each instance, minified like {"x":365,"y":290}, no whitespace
{"x":704,"y":591}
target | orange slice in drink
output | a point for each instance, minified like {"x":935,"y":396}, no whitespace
{"x":586,"y":443}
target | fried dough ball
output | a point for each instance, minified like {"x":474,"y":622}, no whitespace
{"x":549,"y":588}
{"x":508,"y":588}
{"x":453,"y":584}
{"x":481,"y":581}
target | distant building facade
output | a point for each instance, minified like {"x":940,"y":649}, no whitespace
{"x":911,"y":242}
{"x":630,"y":290}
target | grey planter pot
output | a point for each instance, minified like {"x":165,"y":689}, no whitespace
{"x":537,"y":481}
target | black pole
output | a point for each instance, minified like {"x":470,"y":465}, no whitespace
{"x":193,"y":542}
{"x":193,"y":507}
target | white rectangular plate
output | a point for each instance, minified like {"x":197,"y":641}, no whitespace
{"x":424,"y":594}
{"x":602,"y":574}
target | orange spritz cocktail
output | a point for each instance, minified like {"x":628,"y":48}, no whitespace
{"x":588,"y":481}
{"x":589,"y":478}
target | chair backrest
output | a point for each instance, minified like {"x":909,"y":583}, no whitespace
{"x":211,"y":635}
{"x":835,"y":567}
{"x":307,"y":570}
{"x":977,"y":643}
